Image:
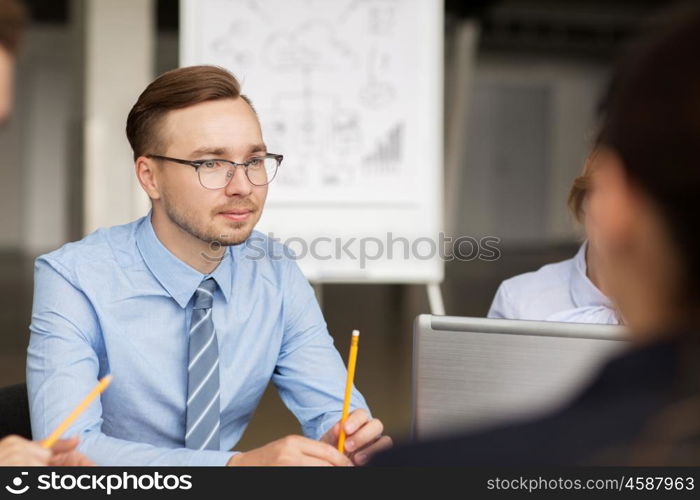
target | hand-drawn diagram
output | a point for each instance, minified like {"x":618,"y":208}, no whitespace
{"x":310,"y":46}
{"x":380,"y":15}
{"x":231,"y":53}
{"x":377,"y":93}
{"x":327,"y":79}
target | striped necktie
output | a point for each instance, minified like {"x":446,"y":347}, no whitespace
{"x":203,"y":418}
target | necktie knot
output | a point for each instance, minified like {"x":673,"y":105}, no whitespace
{"x":204,"y":295}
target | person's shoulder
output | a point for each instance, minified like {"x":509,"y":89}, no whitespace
{"x":103,"y":247}
{"x":601,"y":422}
{"x":518,"y":443}
{"x":576,"y":434}
{"x":536,"y":294}
{"x":554,"y":275}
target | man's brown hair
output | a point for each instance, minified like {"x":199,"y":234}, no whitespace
{"x":13,"y":19}
{"x":176,"y":89}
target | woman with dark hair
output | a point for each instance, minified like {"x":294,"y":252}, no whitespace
{"x":12,"y":21}
{"x":643,"y":408}
{"x":573,"y":290}
{"x":15,"y":450}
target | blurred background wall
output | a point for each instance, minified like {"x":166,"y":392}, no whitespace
{"x":518,"y":137}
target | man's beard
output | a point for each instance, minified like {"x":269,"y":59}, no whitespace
{"x":185,"y":221}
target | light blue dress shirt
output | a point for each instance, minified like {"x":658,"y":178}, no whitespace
{"x":119,"y":302}
{"x":555,"y":292}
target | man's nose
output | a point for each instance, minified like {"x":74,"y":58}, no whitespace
{"x":239,"y":184}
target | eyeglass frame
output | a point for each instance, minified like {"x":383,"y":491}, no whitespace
{"x":198,"y":163}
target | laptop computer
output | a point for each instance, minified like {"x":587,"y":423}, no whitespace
{"x":473,"y":372}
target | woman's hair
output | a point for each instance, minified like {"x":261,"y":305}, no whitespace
{"x":581,"y":188}
{"x":13,"y":19}
{"x":651,"y":119}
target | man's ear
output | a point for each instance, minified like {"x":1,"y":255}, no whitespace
{"x":147,"y":175}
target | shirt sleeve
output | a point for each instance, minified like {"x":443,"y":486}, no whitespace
{"x":310,"y":374}
{"x":501,"y":307}
{"x":65,"y":359}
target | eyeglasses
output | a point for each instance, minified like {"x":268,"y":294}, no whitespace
{"x":217,"y":173}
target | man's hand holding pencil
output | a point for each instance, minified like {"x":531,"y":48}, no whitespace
{"x":356,"y":434}
{"x":351,"y":441}
{"x":363,"y":436}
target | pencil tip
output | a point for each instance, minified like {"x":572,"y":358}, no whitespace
{"x":356,"y":333}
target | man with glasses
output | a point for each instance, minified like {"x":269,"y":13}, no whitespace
{"x":189,"y":319}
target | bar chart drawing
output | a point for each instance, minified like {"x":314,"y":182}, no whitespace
{"x":386,"y":155}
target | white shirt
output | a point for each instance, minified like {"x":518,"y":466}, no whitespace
{"x":555,"y":292}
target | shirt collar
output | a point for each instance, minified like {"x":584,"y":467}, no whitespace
{"x":583,"y":292}
{"x":179,"y":279}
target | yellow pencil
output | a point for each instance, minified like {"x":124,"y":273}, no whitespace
{"x":55,"y":435}
{"x":352,"y":361}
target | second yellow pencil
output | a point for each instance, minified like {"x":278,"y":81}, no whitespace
{"x":55,"y":435}
{"x":352,"y":361}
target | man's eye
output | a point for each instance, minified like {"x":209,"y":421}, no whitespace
{"x":210,"y":164}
